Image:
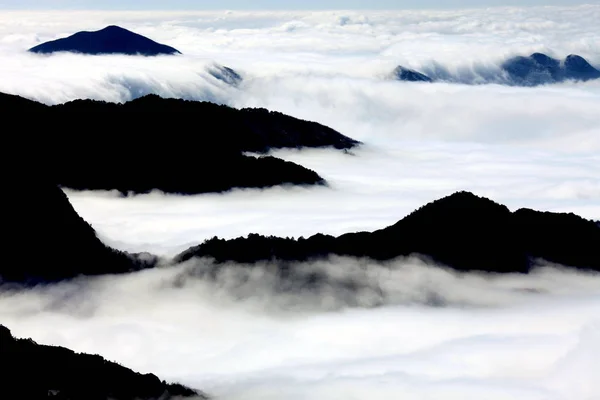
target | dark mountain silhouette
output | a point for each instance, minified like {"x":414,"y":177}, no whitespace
{"x":172,"y":145}
{"x":410,"y":75}
{"x":34,"y":371}
{"x":49,"y":241}
{"x":536,"y":69}
{"x":576,"y":67}
{"x":539,"y":69}
{"x":110,"y":40}
{"x":11,"y":104}
{"x":462,"y":231}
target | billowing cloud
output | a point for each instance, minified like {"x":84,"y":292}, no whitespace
{"x":434,"y":333}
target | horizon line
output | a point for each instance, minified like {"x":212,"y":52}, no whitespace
{"x":294,"y":9}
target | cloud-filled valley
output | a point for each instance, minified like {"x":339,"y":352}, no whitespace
{"x":500,"y":337}
{"x":374,"y":330}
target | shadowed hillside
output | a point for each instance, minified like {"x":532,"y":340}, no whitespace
{"x":110,"y":40}
{"x":48,"y":241}
{"x":463,"y":231}
{"x":33,"y":371}
{"x":171,"y":145}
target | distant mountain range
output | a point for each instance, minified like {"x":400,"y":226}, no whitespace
{"x":110,"y":40}
{"x":536,"y":69}
{"x":172,"y":145}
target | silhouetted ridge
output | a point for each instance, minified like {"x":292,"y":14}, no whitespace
{"x":533,"y":70}
{"x":463,"y":231}
{"x":172,"y":145}
{"x":49,"y":241}
{"x":110,"y":40}
{"x":34,"y":372}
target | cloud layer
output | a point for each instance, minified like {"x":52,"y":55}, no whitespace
{"x":434,"y":334}
{"x":350,"y":44}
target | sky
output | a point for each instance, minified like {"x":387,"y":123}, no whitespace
{"x":280,"y":5}
{"x":434,"y":334}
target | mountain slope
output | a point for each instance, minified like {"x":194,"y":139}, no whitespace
{"x":33,"y":371}
{"x":48,"y":240}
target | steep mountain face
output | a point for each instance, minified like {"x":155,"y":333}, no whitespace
{"x":110,"y":40}
{"x":172,"y":145}
{"x":48,"y":241}
{"x":33,"y":371}
{"x":536,"y":69}
{"x":462,"y":231}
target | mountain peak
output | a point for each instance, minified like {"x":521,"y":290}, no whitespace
{"x":112,"y":39}
{"x":114,"y":28}
{"x":458,"y":202}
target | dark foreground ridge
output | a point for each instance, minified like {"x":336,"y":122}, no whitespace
{"x":172,"y":145}
{"x":536,"y":69}
{"x":462,"y":231}
{"x":49,"y":241}
{"x":33,"y":371}
{"x":110,"y":40}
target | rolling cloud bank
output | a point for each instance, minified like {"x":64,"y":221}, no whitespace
{"x":376,"y":329}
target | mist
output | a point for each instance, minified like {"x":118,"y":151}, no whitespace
{"x":405,"y":328}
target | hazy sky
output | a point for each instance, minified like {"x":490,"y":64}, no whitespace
{"x":276,"y":4}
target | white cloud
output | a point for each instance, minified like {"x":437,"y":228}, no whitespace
{"x":524,"y":147}
{"x":504,"y":337}
{"x":375,"y":188}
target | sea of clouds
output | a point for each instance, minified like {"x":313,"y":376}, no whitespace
{"x":410,"y":330}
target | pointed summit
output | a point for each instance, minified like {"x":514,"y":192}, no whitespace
{"x":110,"y":40}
